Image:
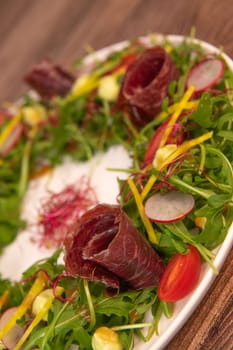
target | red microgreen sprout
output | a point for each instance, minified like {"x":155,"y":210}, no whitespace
{"x":55,"y":284}
{"x":35,"y":275}
{"x":62,"y":210}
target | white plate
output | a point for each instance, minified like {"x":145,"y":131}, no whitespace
{"x":23,"y":252}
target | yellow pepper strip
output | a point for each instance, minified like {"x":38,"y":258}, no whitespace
{"x":148,"y":186}
{"x":172,"y":108}
{"x":168,"y":48}
{"x":88,"y":82}
{"x":176,"y":109}
{"x":37,"y":319}
{"x":145,"y":220}
{"x":3,"y":298}
{"x":34,"y":323}
{"x":180,"y":107}
{"x":84,"y":84}
{"x":9,"y":127}
{"x":185,"y":146}
{"x":36,"y":288}
{"x":119,"y":71}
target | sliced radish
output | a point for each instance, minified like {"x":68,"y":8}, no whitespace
{"x":206,"y":74}
{"x":169,"y":207}
{"x":12,"y":337}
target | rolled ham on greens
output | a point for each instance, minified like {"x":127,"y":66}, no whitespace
{"x":145,"y":85}
{"x":105,"y":246}
{"x":49,"y":79}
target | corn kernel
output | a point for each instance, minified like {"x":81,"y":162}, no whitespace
{"x":34,"y":115}
{"x":200,"y":221}
{"x":41,"y":300}
{"x":108,"y":88}
{"x":106,"y":339}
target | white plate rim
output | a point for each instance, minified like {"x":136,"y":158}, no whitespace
{"x":159,"y":342}
{"x":191,"y":302}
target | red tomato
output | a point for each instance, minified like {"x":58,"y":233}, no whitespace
{"x":180,"y":276}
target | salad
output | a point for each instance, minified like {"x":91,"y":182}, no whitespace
{"x":171,"y":107}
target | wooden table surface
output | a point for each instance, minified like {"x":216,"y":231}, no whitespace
{"x":61,"y":29}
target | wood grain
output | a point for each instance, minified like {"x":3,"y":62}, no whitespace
{"x":61,"y":29}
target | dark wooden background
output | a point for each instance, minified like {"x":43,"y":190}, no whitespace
{"x":61,"y":29}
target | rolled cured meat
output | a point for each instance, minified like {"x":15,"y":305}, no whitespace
{"x":145,"y":84}
{"x":105,"y":246}
{"x":49,"y":79}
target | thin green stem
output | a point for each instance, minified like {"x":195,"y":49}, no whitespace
{"x":203,"y":158}
{"x":25,"y":169}
{"x":90,"y":304}
{"x":132,"y":326}
{"x":195,"y":190}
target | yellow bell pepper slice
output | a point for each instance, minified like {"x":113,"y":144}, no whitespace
{"x":40,"y":316}
{"x":3,"y":298}
{"x":180,"y":107}
{"x":139,"y":202}
{"x":9,"y":127}
{"x":36,"y":288}
{"x":185,"y":146}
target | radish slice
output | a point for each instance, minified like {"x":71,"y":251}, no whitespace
{"x":16,"y":332}
{"x":169,"y":207}
{"x":205,"y":74}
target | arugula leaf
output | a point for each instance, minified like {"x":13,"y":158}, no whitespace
{"x":218,"y":218}
{"x":50,"y":265}
{"x":227,"y":135}
{"x":114,"y":306}
{"x":78,"y":127}
{"x":127,"y":339}
{"x":204,"y":112}
{"x":16,"y":292}
{"x":10,"y":221}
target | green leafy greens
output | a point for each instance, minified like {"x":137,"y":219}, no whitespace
{"x":80,"y":126}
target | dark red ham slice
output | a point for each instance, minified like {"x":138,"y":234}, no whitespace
{"x":105,"y":246}
{"x":49,"y":80}
{"x":145,"y":85}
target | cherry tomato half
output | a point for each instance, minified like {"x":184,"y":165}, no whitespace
{"x":180,"y":276}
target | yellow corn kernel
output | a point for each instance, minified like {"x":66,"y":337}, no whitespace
{"x":105,"y":338}
{"x":34,"y":115}
{"x":84,"y":84}
{"x":41,"y":300}
{"x":108,"y":88}
{"x":200,"y":221}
